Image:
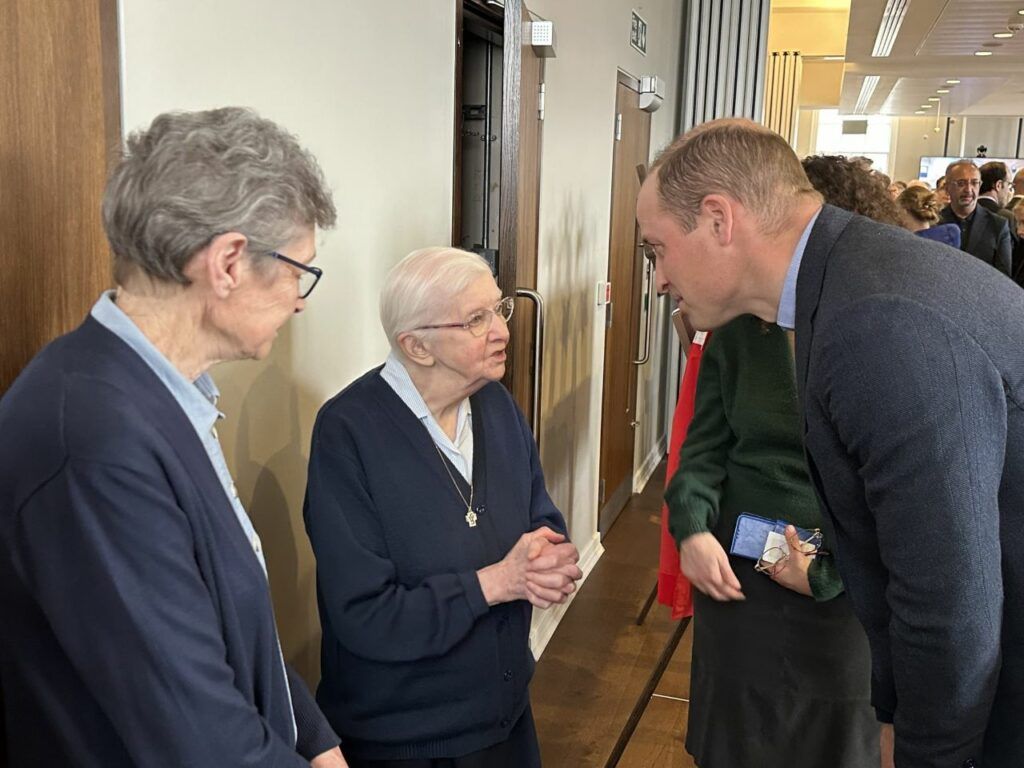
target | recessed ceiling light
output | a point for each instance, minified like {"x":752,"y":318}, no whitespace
{"x":919,"y":112}
{"x":867,"y":89}
{"x":942,"y":90}
{"x":892,"y":19}
{"x":934,"y":98}
{"x":952,"y":82}
{"x":926,"y":106}
{"x":983,"y":53}
{"x":1003,"y":35}
{"x":1020,"y":12}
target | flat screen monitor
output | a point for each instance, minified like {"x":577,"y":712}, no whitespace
{"x":932,"y":168}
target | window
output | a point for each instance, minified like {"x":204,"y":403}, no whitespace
{"x":875,"y":144}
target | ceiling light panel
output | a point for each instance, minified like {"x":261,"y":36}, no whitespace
{"x":889,"y":28}
{"x":867,"y":90}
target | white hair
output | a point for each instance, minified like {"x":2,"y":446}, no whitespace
{"x":422,"y":287}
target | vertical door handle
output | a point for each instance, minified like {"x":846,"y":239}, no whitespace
{"x":538,"y":353}
{"x":649,"y":281}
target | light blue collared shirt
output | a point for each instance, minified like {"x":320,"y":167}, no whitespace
{"x":198,"y":400}
{"x":787,"y":302}
{"x":459,"y":451}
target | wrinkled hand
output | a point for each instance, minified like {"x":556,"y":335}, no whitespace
{"x":703,"y":561}
{"x":792,"y":574}
{"x":552,"y":572}
{"x":546,"y":557}
{"x":332,"y":758}
{"x":887,"y":741}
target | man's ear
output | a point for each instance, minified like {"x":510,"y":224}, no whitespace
{"x":721,"y":211}
{"x":221,"y":263}
{"x":414,"y":349}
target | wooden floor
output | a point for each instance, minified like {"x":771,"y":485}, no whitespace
{"x":598,"y":661}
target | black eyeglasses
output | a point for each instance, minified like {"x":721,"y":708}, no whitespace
{"x":308,"y":277}
{"x":648,"y":251}
{"x":480,"y":322}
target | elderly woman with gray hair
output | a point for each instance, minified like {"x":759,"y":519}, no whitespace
{"x":138,"y":628}
{"x":434,"y":534}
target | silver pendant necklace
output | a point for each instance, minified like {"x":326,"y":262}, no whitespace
{"x":471,"y":516}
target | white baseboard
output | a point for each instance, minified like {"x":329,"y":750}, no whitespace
{"x":650,"y":463}
{"x":546,"y":622}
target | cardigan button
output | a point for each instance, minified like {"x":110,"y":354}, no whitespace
{"x":508,"y":675}
{"x":504,"y":722}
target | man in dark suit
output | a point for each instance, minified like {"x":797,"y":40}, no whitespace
{"x":997,"y":191}
{"x":982,"y":233}
{"x":910,"y":376}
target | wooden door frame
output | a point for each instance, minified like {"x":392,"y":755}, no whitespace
{"x":511,"y":109}
{"x":615,"y":498}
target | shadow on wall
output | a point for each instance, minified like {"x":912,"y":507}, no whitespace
{"x":568,"y":358}
{"x":272,"y":486}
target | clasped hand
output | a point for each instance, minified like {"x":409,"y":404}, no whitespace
{"x":541,"y":568}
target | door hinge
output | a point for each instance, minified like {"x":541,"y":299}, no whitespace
{"x":608,"y":314}
{"x":600,"y":493}
{"x":618,"y":127}
{"x":540,"y":102}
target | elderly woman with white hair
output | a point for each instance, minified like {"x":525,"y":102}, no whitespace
{"x":433,"y":533}
{"x":138,"y":628}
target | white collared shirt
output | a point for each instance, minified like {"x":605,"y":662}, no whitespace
{"x":458,"y":451}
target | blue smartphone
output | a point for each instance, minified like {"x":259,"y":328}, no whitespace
{"x":751,"y":533}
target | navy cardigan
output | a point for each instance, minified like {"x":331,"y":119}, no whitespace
{"x":415,"y":664}
{"x":137,"y":624}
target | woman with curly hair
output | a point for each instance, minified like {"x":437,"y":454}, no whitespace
{"x":845,"y":184}
{"x":922,"y":208}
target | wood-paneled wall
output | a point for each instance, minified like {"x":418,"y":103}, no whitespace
{"x":60,"y":128}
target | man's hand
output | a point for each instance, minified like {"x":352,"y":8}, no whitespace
{"x":332,"y":758}
{"x":704,"y":562}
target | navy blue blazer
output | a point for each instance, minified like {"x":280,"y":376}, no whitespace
{"x":910,"y":364}
{"x":137,"y":623}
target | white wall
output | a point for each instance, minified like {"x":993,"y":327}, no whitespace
{"x":593,"y":43}
{"x":368,"y":88}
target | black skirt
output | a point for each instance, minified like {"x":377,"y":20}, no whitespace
{"x":519,"y":750}
{"x":779,"y":679}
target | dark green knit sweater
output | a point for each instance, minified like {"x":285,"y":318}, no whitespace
{"x":743,"y":450}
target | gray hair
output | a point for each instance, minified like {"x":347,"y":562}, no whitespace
{"x":194,"y":175}
{"x":423,"y":285}
{"x":963,"y":161}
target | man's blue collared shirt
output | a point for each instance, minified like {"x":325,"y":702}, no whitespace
{"x":787,"y":302}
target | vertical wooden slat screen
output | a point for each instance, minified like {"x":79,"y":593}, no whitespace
{"x":60,"y":127}
{"x":724,"y":62}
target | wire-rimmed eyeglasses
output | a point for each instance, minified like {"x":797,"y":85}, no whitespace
{"x":308,"y":276}
{"x":480,"y":321}
{"x":774,"y":559}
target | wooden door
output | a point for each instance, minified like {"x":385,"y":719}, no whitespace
{"x":59,"y":129}
{"x":618,"y":409}
{"x":520,"y":201}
